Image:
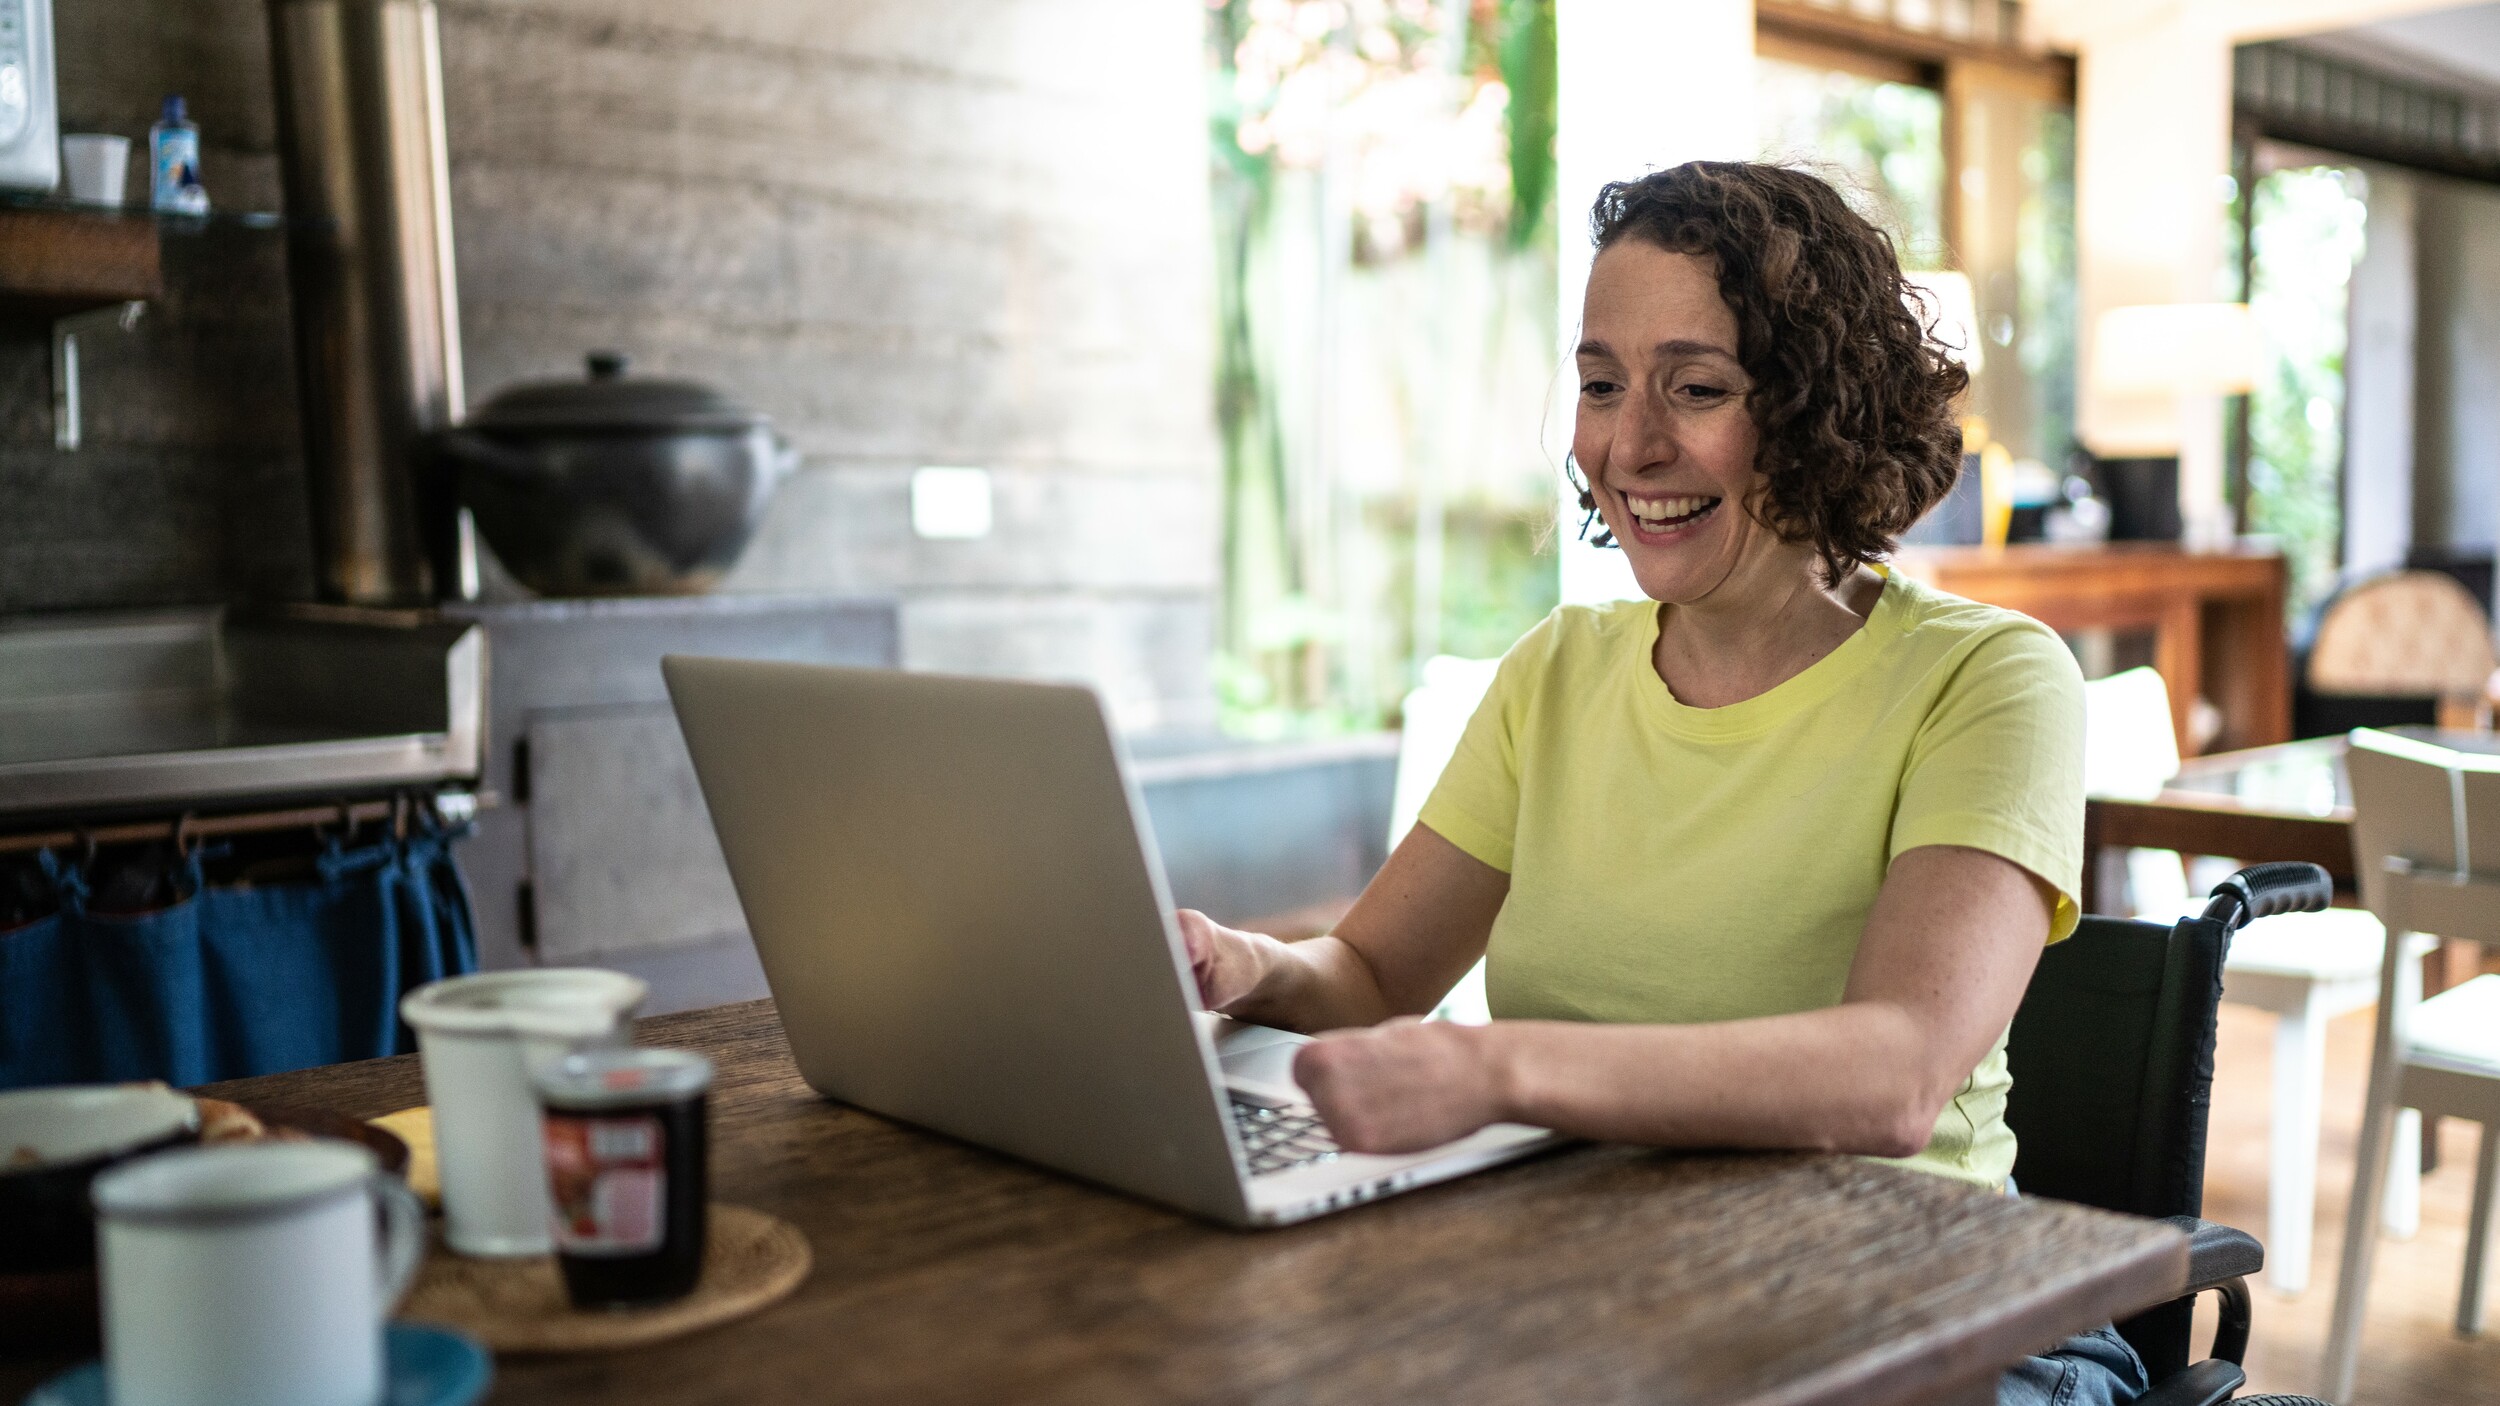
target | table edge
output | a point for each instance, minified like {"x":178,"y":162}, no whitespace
{"x":2152,"y":1275}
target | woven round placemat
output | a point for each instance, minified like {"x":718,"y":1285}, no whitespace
{"x":750,"y":1260}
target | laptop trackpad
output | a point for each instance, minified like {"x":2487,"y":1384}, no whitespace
{"x":1258,"y":1060}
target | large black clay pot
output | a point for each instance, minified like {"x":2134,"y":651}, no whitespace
{"x":615,"y":485}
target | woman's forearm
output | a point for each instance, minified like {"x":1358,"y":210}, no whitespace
{"x":1947,"y":952}
{"x":1860,"y":1077}
{"x":1419,"y":925}
{"x":1321,"y":983}
{"x":1939,"y":973}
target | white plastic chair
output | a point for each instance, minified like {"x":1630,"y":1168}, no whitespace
{"x":2306,"y":968}
{"x":1436,"y":714}
{"x":2419,"y":810}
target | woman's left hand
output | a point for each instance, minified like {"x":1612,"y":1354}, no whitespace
{"x":1402,"y":1086}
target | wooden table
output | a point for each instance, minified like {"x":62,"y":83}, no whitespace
{"x":2289,"y":801}
{"x":2216,"y":617}
{"x":1597,"y":1274}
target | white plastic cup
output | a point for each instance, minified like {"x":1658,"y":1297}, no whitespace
{"x":481,"y":1036}
{"x":252,"y":1273}
{"x":96,"y":166}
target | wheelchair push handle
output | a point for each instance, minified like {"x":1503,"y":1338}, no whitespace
{"x":2263,"y":890}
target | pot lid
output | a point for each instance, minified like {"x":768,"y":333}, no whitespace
{"x":609,"y":399}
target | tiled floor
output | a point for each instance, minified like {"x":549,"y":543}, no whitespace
{"x":2411,"y":1354}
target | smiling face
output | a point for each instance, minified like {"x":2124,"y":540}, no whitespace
{"x":1663,"y":434}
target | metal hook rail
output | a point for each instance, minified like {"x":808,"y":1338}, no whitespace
{"x":451,"y":807}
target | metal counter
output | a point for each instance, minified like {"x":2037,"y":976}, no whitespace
{"x":116,"y":711}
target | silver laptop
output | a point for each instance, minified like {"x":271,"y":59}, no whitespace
{"x":965,"y":925}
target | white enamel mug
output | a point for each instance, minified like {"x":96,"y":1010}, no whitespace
{"x":481,"y":1036}
{"x":251,"y":1275}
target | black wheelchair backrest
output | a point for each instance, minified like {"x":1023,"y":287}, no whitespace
{"x":2112,"y":1054}
{"x":2112,"y":1058}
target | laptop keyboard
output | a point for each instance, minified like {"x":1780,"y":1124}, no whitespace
{"x":1279,"y":1139}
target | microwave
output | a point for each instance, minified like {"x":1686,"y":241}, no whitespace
{"x":30,"y":121}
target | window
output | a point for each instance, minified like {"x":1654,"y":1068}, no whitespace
{"x":1968,"y":162}
{"x":2305,"y":234}
{"x":1880,"y":140}
{"x":1383,"y":175}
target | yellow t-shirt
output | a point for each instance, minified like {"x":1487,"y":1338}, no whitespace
{"x":1674,"y":865}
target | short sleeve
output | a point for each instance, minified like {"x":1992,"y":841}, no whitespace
{"x":1475,"y":804}
{"x":1998,"y":765}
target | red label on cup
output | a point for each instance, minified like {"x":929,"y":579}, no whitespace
{"x":608,"y":1178}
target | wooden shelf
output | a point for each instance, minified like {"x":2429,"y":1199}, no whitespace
{"x":56,"y":262}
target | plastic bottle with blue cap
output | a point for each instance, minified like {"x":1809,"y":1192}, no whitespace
{"x":174,"y":162}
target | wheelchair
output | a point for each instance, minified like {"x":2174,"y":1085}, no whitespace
{"x":2112,"y":1054}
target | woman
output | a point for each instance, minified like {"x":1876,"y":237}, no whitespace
{"x":1766,"y":859}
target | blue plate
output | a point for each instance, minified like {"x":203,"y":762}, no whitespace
{"x":427,"y":1366}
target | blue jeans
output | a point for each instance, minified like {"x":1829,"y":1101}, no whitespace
{"x":2098,"y":1368}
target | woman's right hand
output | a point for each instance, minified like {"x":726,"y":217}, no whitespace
{"x":1420,"y":923}
{"x":1228,"y":964}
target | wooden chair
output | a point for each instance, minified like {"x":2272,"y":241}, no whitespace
{"x":2403,"y":647}
{"x":2420,"y":811}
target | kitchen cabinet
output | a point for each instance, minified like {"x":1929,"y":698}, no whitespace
{"x":599,"y":850}
{"x":622,"y":856}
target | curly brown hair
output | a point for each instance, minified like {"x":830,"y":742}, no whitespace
{"x":1853,"y":395}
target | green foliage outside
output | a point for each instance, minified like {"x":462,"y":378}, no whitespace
{"x":1383,"y":175}
{"x":2045,"y":266}
{"x":1526,"y":47}
{"x":1881,"y":143}
{"x":2306,"y":237}
{"x":1495,"y":589}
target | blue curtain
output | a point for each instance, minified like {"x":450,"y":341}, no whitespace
{"x":227,"y":982}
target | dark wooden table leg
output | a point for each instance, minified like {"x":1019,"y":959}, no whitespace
{"x":2179,"y":657}
{"x":2090,"y":898}
{"x":2247,"y":666}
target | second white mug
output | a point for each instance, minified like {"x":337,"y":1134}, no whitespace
{"x":481,"y":1035}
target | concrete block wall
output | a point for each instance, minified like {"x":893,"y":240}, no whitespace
{"x":189,"y":487}
{"x":968,"y":232}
